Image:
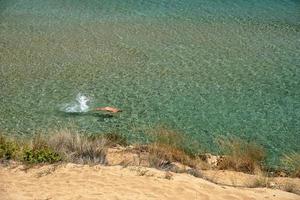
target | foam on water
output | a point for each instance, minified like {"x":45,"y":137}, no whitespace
{"x":79,"y":106}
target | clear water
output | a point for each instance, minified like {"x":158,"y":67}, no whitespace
{"x":208,"y":68}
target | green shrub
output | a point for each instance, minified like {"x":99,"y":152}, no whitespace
{"x":38,"y":151}
{"x":8,"y":148}
{"x":43,"y":155}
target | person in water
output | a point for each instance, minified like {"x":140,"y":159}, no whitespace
{"x":109,"y":109}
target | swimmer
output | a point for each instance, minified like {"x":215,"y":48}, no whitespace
{"x":109,"y":109}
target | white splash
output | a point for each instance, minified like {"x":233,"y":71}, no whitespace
{"x":80,"y":105}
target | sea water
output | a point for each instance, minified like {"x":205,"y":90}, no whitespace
{"x":207,"y":68}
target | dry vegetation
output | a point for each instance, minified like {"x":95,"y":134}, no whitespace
{"x":260,"y":181}
{"x":64,"y":145}
{"x":292,"y":163}
{"x":241,"y":155}
{"x":78,"y":148}
{"x":167,"y":146}
{"x":167,"y":150}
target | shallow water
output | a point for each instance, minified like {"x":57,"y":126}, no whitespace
{"x":208,"y":68}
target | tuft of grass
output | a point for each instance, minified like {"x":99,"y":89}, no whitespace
{"x":168,"y":146}
{"x":292,"y":163}
{"x":78,"y":148}
{"x":160,"y":156}
{"x":260,"y":182}
{"x":290,"y":187}
{"x":165,"y":135}
{"x":114,"y":139}
{"x":241,"y":155}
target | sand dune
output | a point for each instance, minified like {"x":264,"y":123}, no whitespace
{"x":115,"y":182}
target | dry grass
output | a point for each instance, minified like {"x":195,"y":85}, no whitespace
{"x":64,"y":145}
{"x":241,"y":156}
{"x":78,"y":148}
{"x":260,"y":181}
{"x":168,"y":146}
{"x":290,"y":187}
{"x":160,"y":156}
{"x":292,"y":163}
{"x":114,"y":139}
{"x":166,"y":151}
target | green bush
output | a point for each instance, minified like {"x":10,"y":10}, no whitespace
{"x":43,"y":155}
{"x":8,"y":148}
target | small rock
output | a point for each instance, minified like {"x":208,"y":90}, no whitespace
{"x":212,"y":160}
{"x":272,"y":184}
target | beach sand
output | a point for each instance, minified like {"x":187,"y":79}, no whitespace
{"x":71,"y":181}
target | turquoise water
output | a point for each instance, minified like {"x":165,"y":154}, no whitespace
{"x":208,"y":68}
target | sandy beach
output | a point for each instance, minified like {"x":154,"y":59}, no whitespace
{"x":71,"y":181}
